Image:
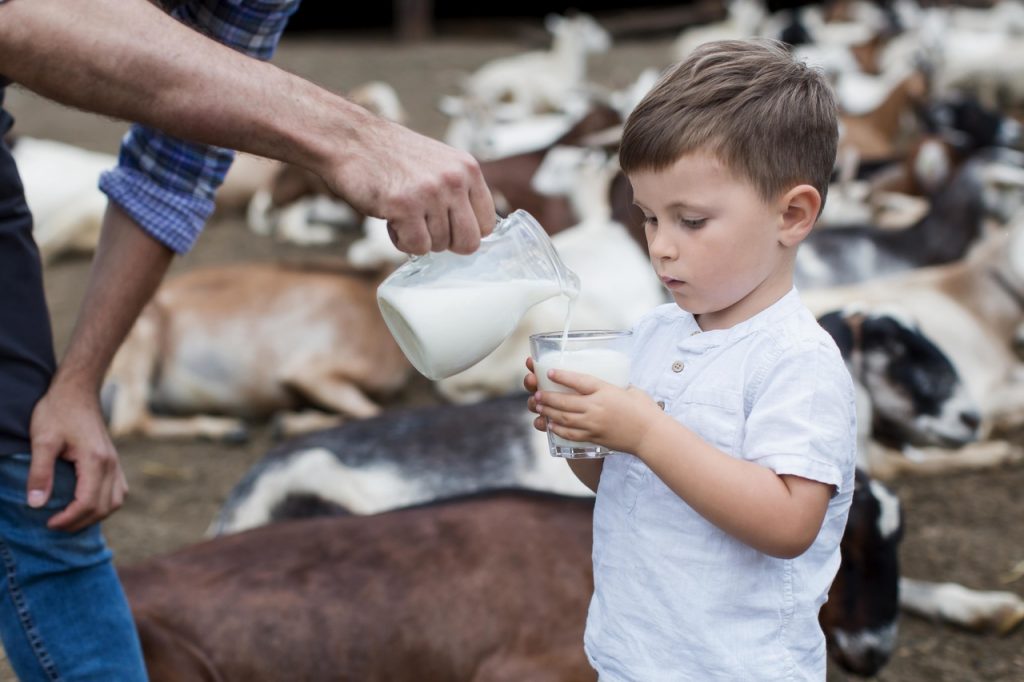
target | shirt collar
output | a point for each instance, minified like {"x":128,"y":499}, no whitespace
{"x":695,"y":339}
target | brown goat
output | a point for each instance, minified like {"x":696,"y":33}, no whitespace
{"x":251,"y":340}
{"x":491,"y":587}
{"x":493,"y":590}
{"x":877,"y":135}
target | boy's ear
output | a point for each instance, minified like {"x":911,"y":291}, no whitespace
{"x":800,"y":207}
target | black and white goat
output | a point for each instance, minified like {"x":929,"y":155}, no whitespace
{"x":857,"y":253}
{"x":416,"y":455}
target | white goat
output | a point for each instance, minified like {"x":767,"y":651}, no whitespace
{"x":541,"y":81}
{"x":744,"y":20}
{"x":61,"y":190}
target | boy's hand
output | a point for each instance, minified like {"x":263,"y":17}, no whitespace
{"x":601,"y":413}
{"x":531,"y":385}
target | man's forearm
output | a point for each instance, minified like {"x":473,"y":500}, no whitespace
{"x":126,"y":271}
{"x":166,"y":75}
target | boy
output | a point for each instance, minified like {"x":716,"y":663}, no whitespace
{"x":717,"y":536}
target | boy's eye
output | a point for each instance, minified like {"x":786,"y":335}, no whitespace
{"x":650,"y":220}
{"x":693,"y":222}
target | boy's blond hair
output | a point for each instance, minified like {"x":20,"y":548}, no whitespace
{"x":770,"y":119}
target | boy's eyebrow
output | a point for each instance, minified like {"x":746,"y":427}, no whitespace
{"x":674,"y":205}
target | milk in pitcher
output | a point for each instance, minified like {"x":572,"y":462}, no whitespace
{"x":448,"y":327}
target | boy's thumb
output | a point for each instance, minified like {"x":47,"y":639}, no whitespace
{"x":40,"y":473}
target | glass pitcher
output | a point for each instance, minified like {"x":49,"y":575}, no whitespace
{"x":448,"y":311}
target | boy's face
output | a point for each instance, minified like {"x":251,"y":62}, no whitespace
{"x":712,"y":240}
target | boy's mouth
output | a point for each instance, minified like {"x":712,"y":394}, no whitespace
{"x":670,"y":282}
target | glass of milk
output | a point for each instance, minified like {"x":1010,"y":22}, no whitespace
{"x":602,"y":354}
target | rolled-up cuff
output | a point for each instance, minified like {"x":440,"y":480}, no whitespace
{"x":173,"y":219}
{"x":805,"y":467}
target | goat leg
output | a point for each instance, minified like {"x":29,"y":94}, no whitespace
{"x":886,"y":463}
{"x":997,"y":612}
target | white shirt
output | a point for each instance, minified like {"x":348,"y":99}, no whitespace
{"x":675,"y":598}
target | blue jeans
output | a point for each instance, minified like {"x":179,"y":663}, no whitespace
{"x":63,"y":614}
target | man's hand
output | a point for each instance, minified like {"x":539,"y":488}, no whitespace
{"x":67,"y":423}
{"x":598,"y":412}
{"x":433,"y":196}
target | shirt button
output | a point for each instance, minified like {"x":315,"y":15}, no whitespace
{"x":677,"y":366}
{"x":661,"y":404}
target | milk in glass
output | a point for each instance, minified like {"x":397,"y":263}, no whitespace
{"x":606,"y":364}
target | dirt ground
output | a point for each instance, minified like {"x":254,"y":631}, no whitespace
{"x":965,"y":528}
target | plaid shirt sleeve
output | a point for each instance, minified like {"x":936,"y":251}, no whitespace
{"x":165,"y":184}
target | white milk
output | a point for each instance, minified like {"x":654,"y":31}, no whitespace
{"x":605,"y":364}
{"x":446,"y":329}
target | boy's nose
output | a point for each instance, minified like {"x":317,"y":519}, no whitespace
{"x":659,"y":247}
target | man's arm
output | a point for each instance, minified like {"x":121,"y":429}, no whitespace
{"x":163,"y":74}
{"x":67,"y":421}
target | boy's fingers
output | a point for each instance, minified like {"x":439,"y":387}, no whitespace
{"x":568,"y":433}
{"x":581,"y":383}
{"x":560,"y":417}
{"x":530,"y":382}
{"x":540,"y":423}
{"x":564,"y":402}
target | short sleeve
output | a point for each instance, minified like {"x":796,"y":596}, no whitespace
{"x":803,"y":417}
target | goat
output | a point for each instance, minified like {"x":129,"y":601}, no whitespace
{"x":861,"y":616}
{"x":417,"y":455}
{"x":856,"y":253}
{"x":876,"y":135}
{"x":248,"y":340}
{"x":61,"y":191}
{"x":972,"y":310}
{"x":541,"y":81}
{"x":744,"y":19}
{"x":915,"y":393}
{"x":492,"y":587}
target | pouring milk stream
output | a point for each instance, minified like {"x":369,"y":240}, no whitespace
{"x":448,"y":311}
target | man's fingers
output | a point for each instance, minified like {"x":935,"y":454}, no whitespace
{"x":45,"y":451}
{"x":465,"y":230}
{"x":88,"y":488}
{"x":440,"y":230}
{"x":481,"y":200}
{"x":540,"y":423}
{"x":410,"y":235}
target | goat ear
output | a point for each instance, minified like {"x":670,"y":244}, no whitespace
{"x":553,"y":21}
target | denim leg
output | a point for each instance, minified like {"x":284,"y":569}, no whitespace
{"x":63,"y":614}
